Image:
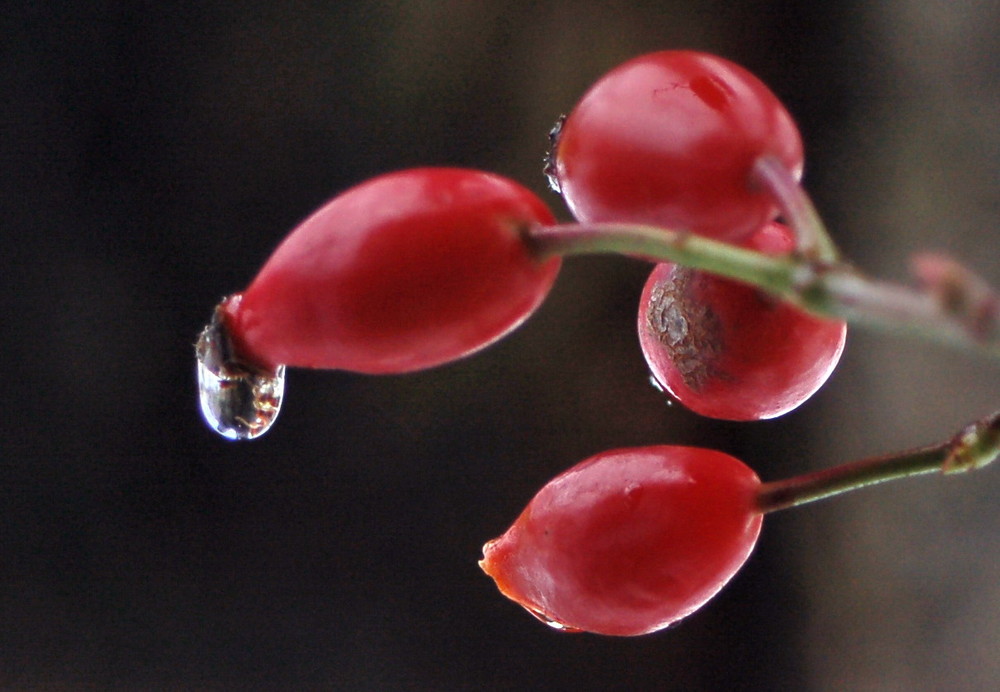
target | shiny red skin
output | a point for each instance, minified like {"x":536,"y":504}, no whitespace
{"x":403,"y":272}
{"x":629,"y":541}
{"x":669,"y":139}
{"x":727,"y":350}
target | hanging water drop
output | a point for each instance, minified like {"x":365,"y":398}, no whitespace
{"x":550,"y":168}
{"x":551,"y":622}
{"x":238,"y":401}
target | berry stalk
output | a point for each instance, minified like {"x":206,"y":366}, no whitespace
{"x":814,"y":240}
{"x":954,"y":307}
{"x":974,"y":447}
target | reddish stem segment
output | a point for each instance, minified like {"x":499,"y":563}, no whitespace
{"x":814,"y":242}
{"x":975,"y":446}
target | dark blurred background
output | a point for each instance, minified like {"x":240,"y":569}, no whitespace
{"x":153,"y":153}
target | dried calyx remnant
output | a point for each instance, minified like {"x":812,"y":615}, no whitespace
{"x":238,"y":400}
{"x":689,"y":330}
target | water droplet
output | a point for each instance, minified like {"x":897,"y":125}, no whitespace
{"x":550,"y":156}
{"x":238,"y":401}
{"x":661,"y":389}
{"x":554,"y":624}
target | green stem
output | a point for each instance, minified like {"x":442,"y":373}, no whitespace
{"x":832,"y":290}
{"x":656,"y":244}
{"x":974,"y":447}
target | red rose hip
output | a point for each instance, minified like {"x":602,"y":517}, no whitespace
{"x":404,"y":272}
{"x":670,"y":139}
{"x":728,"y":350}
{"x":629,"y":541}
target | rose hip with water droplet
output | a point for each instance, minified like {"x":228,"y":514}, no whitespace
{"x":629,"y":541}
{"x":404,"y":272}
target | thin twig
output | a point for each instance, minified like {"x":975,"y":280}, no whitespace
{"x":833,"y":290}
{"x":972,"y":448}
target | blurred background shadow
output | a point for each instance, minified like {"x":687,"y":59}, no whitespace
{"x":152,"y":154}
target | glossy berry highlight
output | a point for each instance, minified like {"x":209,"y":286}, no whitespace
{"x":728,"y":350}
{"x":669,"y":139}
{"x":404,"y":272}
{"x":629,"y":541}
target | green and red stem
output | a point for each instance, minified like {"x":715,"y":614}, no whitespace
{"x":959,"y":310}
{"x":951,"y":304}
{"x":977,"y":445}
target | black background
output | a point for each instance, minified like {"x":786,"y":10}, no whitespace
{"x":152,"y":156}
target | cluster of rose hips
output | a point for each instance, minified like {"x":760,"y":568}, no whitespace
{"x":420,"y":267}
